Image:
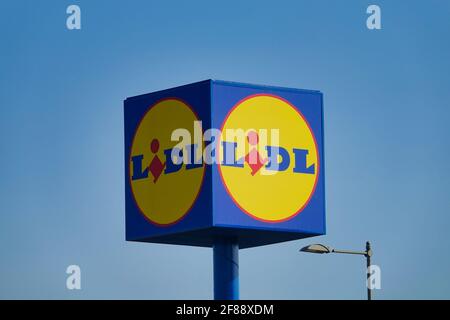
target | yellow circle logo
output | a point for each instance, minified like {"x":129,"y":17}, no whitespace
{"x":164,"y":190}
{"x":268,"y":158}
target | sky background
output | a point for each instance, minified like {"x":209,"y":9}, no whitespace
{"x":387,"y":114}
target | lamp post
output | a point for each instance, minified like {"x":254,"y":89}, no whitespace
{"x":320,"y":248}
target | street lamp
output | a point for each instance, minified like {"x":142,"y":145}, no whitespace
{"x":320,"y":248}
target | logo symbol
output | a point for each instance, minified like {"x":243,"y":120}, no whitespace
{"x":163,"y":189}
{"x":270,"y":178}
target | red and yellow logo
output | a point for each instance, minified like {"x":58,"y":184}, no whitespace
{"x":271,"y":173}
{"x":155,"y":179}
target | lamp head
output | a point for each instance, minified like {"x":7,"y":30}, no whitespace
{"x":317,"y":248}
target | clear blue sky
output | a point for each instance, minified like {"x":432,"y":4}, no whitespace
{"x":387,"y":116}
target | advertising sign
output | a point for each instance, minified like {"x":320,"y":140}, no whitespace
{"x":216,"y":158}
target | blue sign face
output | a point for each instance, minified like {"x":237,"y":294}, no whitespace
{"x":216,"y":158}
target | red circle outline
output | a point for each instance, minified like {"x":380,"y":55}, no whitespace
{"x":315,"y":143}
{"x":129,"y":161}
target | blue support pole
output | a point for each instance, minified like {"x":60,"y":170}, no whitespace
{"x":226,"y":269}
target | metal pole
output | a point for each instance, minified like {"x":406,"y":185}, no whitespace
{"x":349,"y":252}
{"x":368,"y":255}
{"x":226,"y":269}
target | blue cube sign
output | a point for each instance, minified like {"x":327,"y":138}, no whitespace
{"x":221,"y":159}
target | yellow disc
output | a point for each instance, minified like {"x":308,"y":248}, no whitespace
{"x":269,"y":195}
{"x":163,"y":198}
